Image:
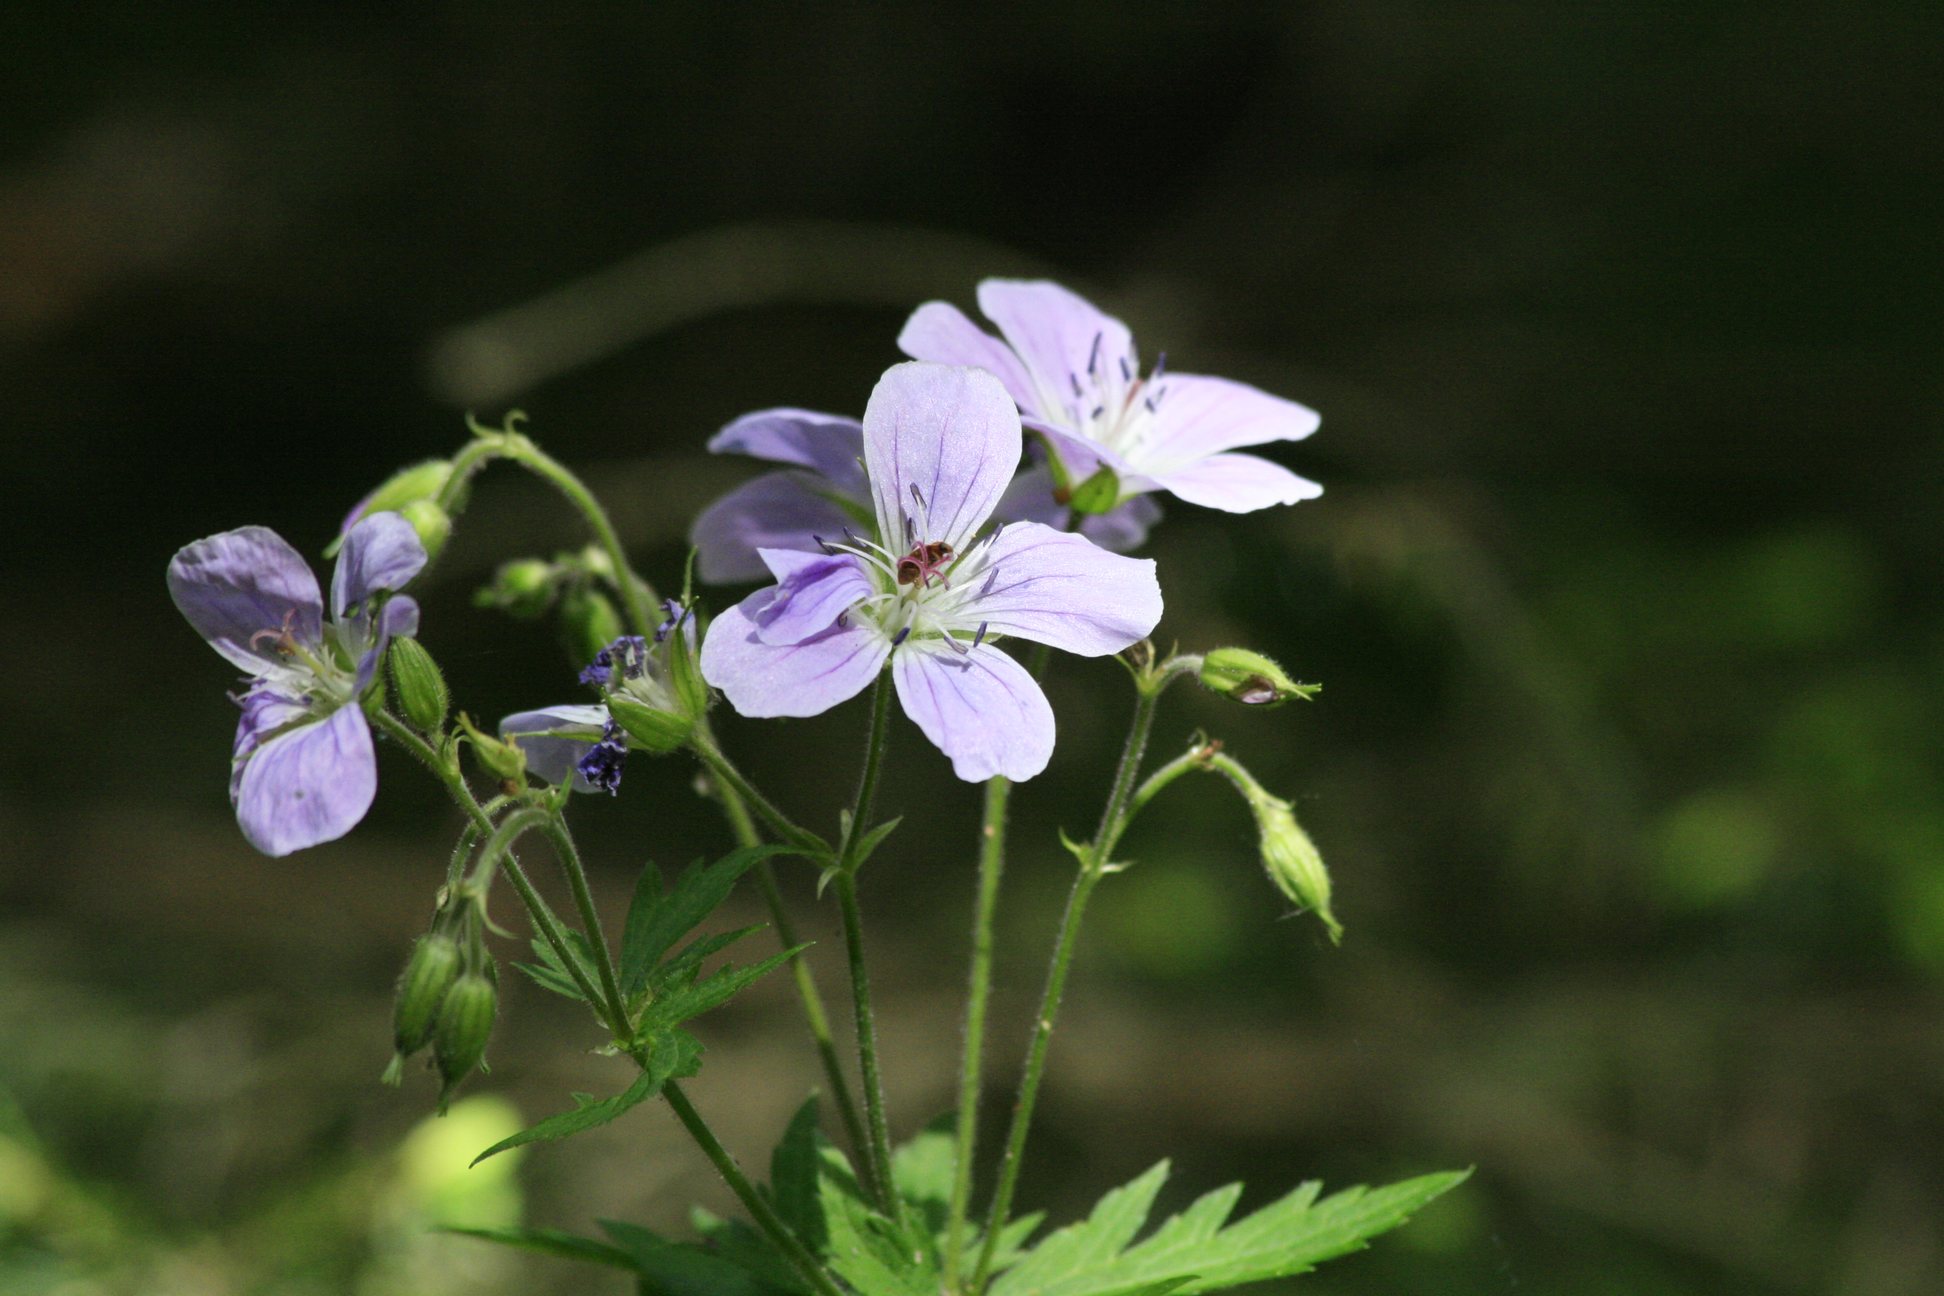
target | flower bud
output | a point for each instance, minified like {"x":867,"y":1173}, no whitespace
{"x":1100,"y":493}
{"x":464,"y":1024}
{"x":683,"y":666}
{"x":649,"y":728}
{"x":430,"y":973}
{"x":420,"y":686}
{"x":1292,"y":860}
{"x":523,"y":588}
{"x":432,"y":523}
{"x":502,"y":760}
{"x":420,"y":482}
{"x":589,"y":622}
{"x":1250,"y":678}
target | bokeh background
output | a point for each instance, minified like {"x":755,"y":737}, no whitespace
{"x":1624,"y":592}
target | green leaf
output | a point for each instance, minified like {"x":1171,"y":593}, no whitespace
{"x":742,"y":1245}
{"x":862,"y":1247}
{"x":672,"y":1054}
{"x":922,"y":1169}
{"x":548,"y":979}
{"x":872,"y":840}
{"x":1193,"y":1252}
{"x":656,"y":921}
{"x":793,"y":1177}
{"x":569,"y":1246}
{"x":682,"y":1002}
{"x":681,"y":1269}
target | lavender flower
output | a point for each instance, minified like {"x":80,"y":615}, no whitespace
{"x":1076,"y":377}
{"x":303,"y":770}
{"x":927,"y":594}
{"x":823,"y":491}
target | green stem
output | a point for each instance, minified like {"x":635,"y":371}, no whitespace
{"x":747,"y":798}
{"x":992,"y":857}
{"x":1095,"y":866}
{"x":736,"y":809}
{"x":879,"y":1145}
{"x":447,"y":772}
{"x":570,"y":863}
{"x":778,"y":1232}
{"x":1195,"y":758}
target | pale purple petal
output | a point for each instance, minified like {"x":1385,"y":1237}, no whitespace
{"x":812,"y":590}
{"x":779,"y":510}
{"x":308,"y":785}
{"x":1123,"y":528}
{"x":1059,"y":588}
{"x":980,"y":708}
{"x":1030,"y":499}
{"x":941,"y":333}
{"x":1058,"y":333}
{"x":941,"y":443}
{"x":549,"y":754}
{"x":265,"y":712}
{"x":828,"y":444}
{"x":1237,"y":483}
{"x":1196,"y":417}
{"x":801,"y":679}
{"x":401,"y":617}
{"x":1079,"y":456}
{"x":235,"y":586}
{"x":382,"y":552}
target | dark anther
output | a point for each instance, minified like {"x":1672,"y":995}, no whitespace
{"x":979,"y":638}
{"x":901,"y":636}
{"x":1093,"y":356}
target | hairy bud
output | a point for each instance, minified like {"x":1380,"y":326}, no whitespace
{"x":1250,"y":678}
{"x":430,"y":973}
{"x":1288,"y":855}
{"x":464,"y":1024}
{"x":649,"y":728}
{"x":420,"y":686}
{"x":523,"y":588}
{"x":432,"y":523}
{"x":588,"y":623}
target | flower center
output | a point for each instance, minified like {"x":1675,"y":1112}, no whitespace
{"x":1112,"y":404}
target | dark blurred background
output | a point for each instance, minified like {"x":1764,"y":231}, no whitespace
{"x":1623,"y":593}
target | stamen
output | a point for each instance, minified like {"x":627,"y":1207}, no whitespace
{"x":1093,"y":357}
{"x":915,"y":493}
{"x":991,"y":576}
{"x":901,"y":636}
{"x":1098,"y":410}
{"x":1125,"y":372}
{"x":822,"y":543}
{"x":979,"y":638}
{"x":911,"y":528}
{"x":1160,"y":367}
{"x":1074,"y":378}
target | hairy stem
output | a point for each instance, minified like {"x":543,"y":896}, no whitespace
{"x":570,"y":863}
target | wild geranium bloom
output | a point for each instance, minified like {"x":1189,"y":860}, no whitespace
{"x":823,"y":490}
{"x":1077,"y":379}
{"x":927,"y":593}
{"x":303,"y":770}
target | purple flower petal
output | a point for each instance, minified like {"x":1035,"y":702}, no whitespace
{"x":980,"y":708}
{"x":801,"y":679}
{"x":265,"y":711}
{"x":550,"y":755}
{"x":1079,"y":456}
{"x":779,"y":510}
{"x":1059,"y":588}
{"x":1237,"y":483}
{"x":941,"y":442}
{"x":940,"y":333}
{"x":380,"y":553}
{"x":1196,"y":417}
{"x":812,"y":590}
{"x":401,"y":617}
{"x":827,"y":444}
{"x":1123,"y":528}
{"x":234,"y":586}
{"x":308,"y":785}
{"x":1060,"y":335}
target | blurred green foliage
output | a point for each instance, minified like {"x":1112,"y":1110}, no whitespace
{"x":1630,"y":763}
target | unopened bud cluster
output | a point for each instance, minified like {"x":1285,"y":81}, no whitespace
{"x":447,"y":998}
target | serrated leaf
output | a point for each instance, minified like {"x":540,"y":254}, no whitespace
{"x":555,"y":975}
{"x":568,"y":1246}
{"x":656,"y":921}
{"x":793,"y":1177}
{"x":1193,"y":1252}
{"x":548,"y":979}
{"x":670,"y":1055}
{"x":680,"y":1269}
{"x":742,"y":1245}
{"x":684,"y":1002}
{"x":922,"y":1169}
{"x":695,"y":951}
{"x":862,"y":1247}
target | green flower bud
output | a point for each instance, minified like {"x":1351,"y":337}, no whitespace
{"x":685,"y":672}
{"x":1100,"y":493}
{"x":649,"y":728}
{"x":433,"y":524}
{"x":430,"y":973}
{"x":420,"y":687}
{"x":502,"y":760}
{"x":1251,"y":678}
{"x":588,"y":623}
{"x":1292,"y":860}
{"x":523,"y":588}
{"x":464,"y":1025}
{"x":421,"y":482}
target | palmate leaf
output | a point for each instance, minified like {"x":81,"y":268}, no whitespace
{"x":657,"y":920}
{"x":672,"y":1054}
{"x":553,"y":1242}
{"x":1193,"y":1251}
{"x":683,"y":1269}
{"x":679,"y":1003}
